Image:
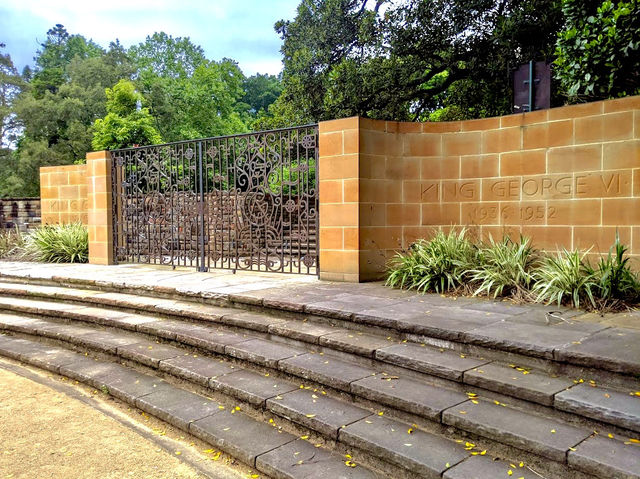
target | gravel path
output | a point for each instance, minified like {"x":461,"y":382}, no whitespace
{"x":45,"y":433}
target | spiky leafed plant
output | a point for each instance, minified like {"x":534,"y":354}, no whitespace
{"x":68,"y":243}
{"x":566,"y":276}
{"x":616,"y":280}
{"x":438,"y":264}
{"x":505,"y":267}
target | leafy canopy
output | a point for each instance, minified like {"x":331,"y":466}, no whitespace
{"x":11,"y":84}
{"x":48,"y":114}
{"x":598,"y":51}
{"x":127,"y":123}
{"x":403,"y":60}
{"x":189,"y":96}
{"x":54,"y":125}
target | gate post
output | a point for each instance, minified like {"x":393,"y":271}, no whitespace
{"x":338,"y":172}
{"x":99,"y":197}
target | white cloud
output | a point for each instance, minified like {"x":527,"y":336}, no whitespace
{"x":242,"y":30}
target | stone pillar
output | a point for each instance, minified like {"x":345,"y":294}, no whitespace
{"x":339,"y":199}
{"x":100,"y":221}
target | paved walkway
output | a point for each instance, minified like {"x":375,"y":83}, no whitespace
{"x":45,"y":433}
{"x":566,"y":335}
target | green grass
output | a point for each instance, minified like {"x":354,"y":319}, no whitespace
{"x":438,"y":264}
{"x":67,"y":243}
{"x":505,"y":268}
{"x":11,"y":241}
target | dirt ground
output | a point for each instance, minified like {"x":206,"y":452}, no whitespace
{"x":46,"y":433}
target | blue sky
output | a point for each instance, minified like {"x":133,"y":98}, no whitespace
{"x":240,"y":29}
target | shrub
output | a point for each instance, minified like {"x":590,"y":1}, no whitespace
{"x":67,"y":243}
{"x":616,"y":280}
{"x":499,"y":268}
{"x":566,"y":276}
{"x":437,"y":265}
{"x":505,"y":267}
{"x":10,"y":242}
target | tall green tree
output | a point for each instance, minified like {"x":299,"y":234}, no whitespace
{"x":127,"y":122}
{"x":261,"y":91}
{"x":403,"y":60}
{"x":56,"y":52}
{"x":57,"y":123}
{"x":167,"y":57}
{"x":598,"y":51}
{"x":189,"y":96}
{"x":11,"y":84}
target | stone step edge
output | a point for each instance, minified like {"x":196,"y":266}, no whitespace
{"x":298,"y":311}
{"x":463,"y":378}
{"x":220,"y":320}
{"x":175,"y":423}
{"x":513,"y":449}
{"x":441,"y":419}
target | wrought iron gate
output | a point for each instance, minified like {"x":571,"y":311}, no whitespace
{"x":245,"y":202}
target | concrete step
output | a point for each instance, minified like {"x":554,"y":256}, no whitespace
{"x":543,"y":436}
{"x":350,"y":341}
{"x":424,"y":454}
{"x":257,"y":444}
{"x":259,"y":349}
{"x":487,"y":329}
{"x":326,"y":416}
{"x":605,"y":404}
{"x":313,"y":410}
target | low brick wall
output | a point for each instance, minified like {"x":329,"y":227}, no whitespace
{"x":63,"y":191}
{"x":81,"y":193}
{"x":566,"y":177}
{"x":21,"y":213}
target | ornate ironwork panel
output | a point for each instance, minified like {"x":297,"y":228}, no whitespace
{"x":245,"y":202}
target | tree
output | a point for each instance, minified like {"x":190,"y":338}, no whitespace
{"x":261,"y":91}
{"x":189,"y":96}
{"x":56,"y":125}
{"x":127,"y":123}
{"x":598,"y":49}
{"x":210,"y":101}
{"x":10,"y":86}
{"x":164,"y":56}
{"x":403,"y":60}
{"x":58,"y":50}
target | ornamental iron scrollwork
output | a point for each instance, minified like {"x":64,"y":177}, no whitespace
{"x":241,"y":202}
